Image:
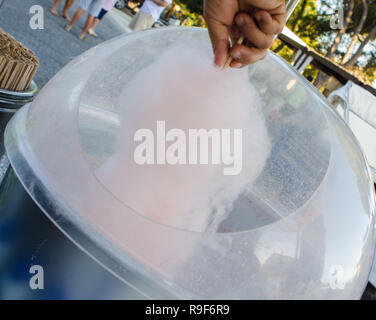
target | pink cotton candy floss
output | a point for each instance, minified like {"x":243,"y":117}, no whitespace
{"x":186,"y":91}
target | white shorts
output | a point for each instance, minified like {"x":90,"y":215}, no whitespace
{"x":93,"y":7}
{"x":141,"y":21}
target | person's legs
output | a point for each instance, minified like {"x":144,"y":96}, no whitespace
{"x":88,"y":23}
{"x":53,"y":9}
{"x":77,"y":15}
{"x":95,"y":24}
{"x":83,"y":6}
{"x":68,"y":4}
{"x":91,"y":30}
{"x":93,"y":11}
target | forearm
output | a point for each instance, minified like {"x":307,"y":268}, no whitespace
{"x":161,"y":3}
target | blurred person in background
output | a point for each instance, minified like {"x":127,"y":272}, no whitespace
{"x":148,"y":14}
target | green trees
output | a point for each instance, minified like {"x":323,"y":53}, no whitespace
{"x":342,"y":31}
{"x":358,"y":29}
{"x":362,"y":36}
{"x":190,"y":12}
{"x":195,"y":6}
{"x":348,"y":46}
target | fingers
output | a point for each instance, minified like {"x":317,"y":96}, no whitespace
{"x":252,"y":32}
{"x":219,"y":34}
{"x":243,"y":55}
{"x":234,"y":34}
{"x":257,"y":40}
{"x":259,"y":30}
{"x":258,"y":21}
{"x":271,"y":22}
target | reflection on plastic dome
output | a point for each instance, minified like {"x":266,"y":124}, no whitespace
{"x":303,"y":229}
{"x":299,"y":157}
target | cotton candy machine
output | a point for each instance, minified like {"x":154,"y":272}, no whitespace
{"x":304,"y":229}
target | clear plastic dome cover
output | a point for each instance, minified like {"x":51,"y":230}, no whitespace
{"x":304,"y":229}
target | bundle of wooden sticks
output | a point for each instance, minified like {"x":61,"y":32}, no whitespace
{"x":18,"y":64}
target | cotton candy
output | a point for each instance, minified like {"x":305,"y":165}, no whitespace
{"x":186,"y":91}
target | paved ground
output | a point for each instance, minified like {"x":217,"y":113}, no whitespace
{"x":53,"y":45}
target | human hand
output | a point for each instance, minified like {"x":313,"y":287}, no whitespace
{"x":257,"y":20}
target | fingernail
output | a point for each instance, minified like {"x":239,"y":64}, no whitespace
{"x":239,"y":20}
{"x":236,"y":55}
{"x":236,"y":65}
{"x":217,"y":66}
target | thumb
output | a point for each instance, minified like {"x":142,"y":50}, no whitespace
{"x":219,"y":34}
